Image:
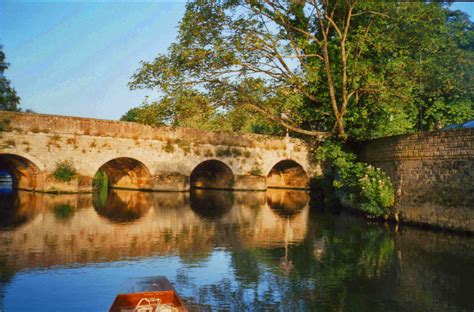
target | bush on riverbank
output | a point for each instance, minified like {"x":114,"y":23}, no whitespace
{"x":353,"y":184}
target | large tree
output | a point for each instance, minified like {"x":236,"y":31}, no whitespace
{"x":9,"y":100}
{"x":357,"y":68}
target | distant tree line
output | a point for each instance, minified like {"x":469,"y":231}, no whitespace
{"x":9,"y":100}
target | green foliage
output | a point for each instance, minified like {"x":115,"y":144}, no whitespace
{"x":408,"y":66}
{"x":184,"y":145}
{"x":223,"y":152}
{"x":9,"y":100}
{"x":256,"y":170}
{"x":354,"y":184}
{"x":193,"y":109}
{"x":64,"y":171}
{"x":100,"y":181}
{"x":100,"y":184}
{"x":236,"y":152}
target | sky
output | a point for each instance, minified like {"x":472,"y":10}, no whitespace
{"x":76,"y":58}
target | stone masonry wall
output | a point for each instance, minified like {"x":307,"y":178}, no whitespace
{"x":153,"y":158}
{"x":433,"y":175}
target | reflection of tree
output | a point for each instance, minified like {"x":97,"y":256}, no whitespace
{"x":332,"y":269}
{"x":120,"y":206}
{"x":6,"y":275}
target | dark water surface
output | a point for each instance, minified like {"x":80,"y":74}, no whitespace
{"x":223,"y":251}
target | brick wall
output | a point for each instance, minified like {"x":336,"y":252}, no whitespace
{"x":433,"y":175}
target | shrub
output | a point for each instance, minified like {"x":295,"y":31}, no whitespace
{"x":256,"y":170}
{"x":353,"y":184}
{"x":64,"y":171}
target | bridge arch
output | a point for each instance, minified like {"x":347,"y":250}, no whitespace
{"x":287,"y":173}
{"x":24,"y":173}
{"x":212,"y":174}
{"x":124,"y":173}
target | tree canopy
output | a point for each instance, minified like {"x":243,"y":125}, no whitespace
{"x":9,"y":100}
{"x":358,"y":69}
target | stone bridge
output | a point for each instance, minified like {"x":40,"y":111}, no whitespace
{"x":134,"y":156}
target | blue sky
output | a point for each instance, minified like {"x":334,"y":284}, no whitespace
{"x":76,"y":58}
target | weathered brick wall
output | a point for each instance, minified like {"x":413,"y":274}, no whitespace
{"x":433,"y":175}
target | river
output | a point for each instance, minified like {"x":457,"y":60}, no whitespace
{"x":240,"y":251}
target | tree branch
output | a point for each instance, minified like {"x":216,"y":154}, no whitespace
{"x":319,"y":134}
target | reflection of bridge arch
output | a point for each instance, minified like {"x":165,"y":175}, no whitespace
{"x":126,"y":173}
{"x":24,"y":172}
{"x":211,"y":204}
{"x":18,"y":209}
{"x":212,"y":174}
{"x":287,"y":203}
{"x":122,"y":207}
{"x":287,"y":174}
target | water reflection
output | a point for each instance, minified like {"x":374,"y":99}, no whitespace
{"x":287,"y":203}
{"x":211,"y":204}
{"x":221,"y":250}
{"x":17,"y":209}
{"x":122,"y":206}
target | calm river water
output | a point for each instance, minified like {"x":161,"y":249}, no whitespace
{"x":223,"y":251}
